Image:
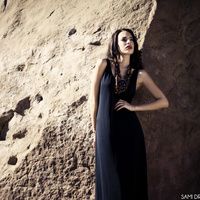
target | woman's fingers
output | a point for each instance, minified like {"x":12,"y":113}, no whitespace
{"x":121,"y":101}
{"x":123,"y":104}
{"x":120,"y":104}
{"x":119,"y":107}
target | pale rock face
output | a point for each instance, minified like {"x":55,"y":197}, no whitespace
{"x":48,"y":50}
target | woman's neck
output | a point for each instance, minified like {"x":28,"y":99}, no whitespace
{"x":124,"y":61}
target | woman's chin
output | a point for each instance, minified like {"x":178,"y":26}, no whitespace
{"x":129,"y":51}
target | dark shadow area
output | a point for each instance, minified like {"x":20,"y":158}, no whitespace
{"x":171,"y":56}
{"x":4,"y":120}
{"x":20,"y":134}
{"x":12,"y":160}
{"x":5,"y":2}
{"x":23,"y":105}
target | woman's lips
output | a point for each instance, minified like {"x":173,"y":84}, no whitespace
{"x":128,"y":47}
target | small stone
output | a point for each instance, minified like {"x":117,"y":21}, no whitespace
{"x":72,"y":31}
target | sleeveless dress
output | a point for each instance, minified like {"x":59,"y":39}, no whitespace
{"x":120,"y":153}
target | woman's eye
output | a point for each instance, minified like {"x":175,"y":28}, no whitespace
{"x":125,"y":39}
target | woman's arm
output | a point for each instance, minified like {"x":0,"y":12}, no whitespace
{"x":147,"y":81}
{"x":94,"y":91}
{"x":161,"y":102}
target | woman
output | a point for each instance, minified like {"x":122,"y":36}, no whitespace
{"x":121,"y":168}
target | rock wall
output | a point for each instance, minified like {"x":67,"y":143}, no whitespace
{"x":171,"y":46}
{"x":48,"y":51}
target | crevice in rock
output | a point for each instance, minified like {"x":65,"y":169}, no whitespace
{"x":79,"y":102}
{"x":16,"y":23}
{"x":72,"y":31}
{"x":51,"y":57}
{"x":12,"y":160}
{"x":20,"y":67}
{"x":95,"y":43}
{"x":38,"y":97}
{"x":21,"y":134}
{"x":23,"y":105}
{"x":98,"y":30}
{"x":51,"y":14}
{"x":4,"y":120}
{"x":5,"y":2}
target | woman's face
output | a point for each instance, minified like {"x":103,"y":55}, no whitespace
{"x":125,"y":43}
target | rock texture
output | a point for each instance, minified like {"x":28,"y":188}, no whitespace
{"x":171,"y":46}
{"x":48,"y":51}
{"x":170,"y":55}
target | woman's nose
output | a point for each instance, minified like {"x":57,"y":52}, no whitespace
{"x":128,"y":41}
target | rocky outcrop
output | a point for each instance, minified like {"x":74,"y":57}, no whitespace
{"x":48,"y":51}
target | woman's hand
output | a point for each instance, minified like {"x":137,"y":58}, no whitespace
{"x":123,"y":104}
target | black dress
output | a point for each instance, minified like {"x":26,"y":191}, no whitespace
{"x":120,"y":154}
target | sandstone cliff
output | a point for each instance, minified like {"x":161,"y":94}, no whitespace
{"x":48,"y":50}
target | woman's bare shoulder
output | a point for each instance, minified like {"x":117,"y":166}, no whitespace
{"x":100,"y":66}
{"x":101,"y":63}
{"x":141,"y":74}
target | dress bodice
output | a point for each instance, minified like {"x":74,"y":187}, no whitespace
{"x":129,"y":93}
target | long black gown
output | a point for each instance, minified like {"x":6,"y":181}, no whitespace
{"x":120,"y":153}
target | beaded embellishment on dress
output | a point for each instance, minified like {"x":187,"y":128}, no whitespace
{"x":121,"y":84}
